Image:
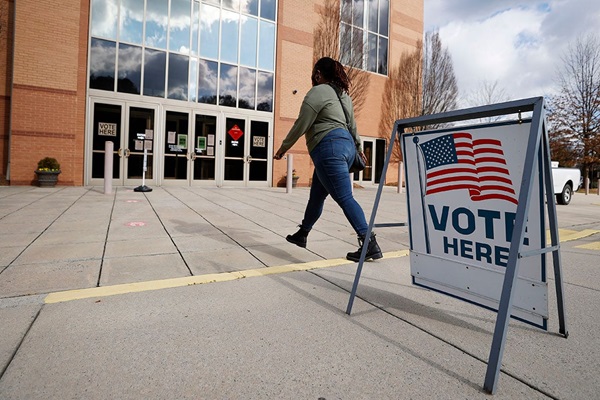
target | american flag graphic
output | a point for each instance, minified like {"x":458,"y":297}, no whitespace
{"x":456,"y":161}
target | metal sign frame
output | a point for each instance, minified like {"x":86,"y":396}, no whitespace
{"x":538,"y":150}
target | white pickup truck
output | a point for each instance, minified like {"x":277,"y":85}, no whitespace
{"x":566,"y":181}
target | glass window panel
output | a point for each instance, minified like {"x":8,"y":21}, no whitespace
{"x":346,"y":44}
{"x":207,"y":81}
{"x":358,"y":13}
{"x":132,"y":19}
{"x":373,"y":14}
{"x":179,"y":26}
{"x":266,"y":55}
{"x":192,"y":94}
{"x":130,"y":69}
{"x":264,"y":97}
{"x":247,"y":88}
{"x":232,"y":4}
{"x":228,"y":86}
{"x":156,"y":23}
{"x":267,"y":9}
{"x":195,"y":28}
{"x":372,"y":53}
{"x":178,"y":77}
{"x":229,"y":38}
{"x":102,"y":64}
{"x":154,"y":73}
{"x":383,"y":56}
{"x":357,"y":46}
{"x":215,"y":2}
{"x":249,"y":7}
{"x":248,"y":41}
{"x":104,"y":18}
{"x":209,"y":32}
{"x":346,"y":11}
{"x":384,"y":12}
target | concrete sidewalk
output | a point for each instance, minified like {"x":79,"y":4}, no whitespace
{"x":194,"y":293}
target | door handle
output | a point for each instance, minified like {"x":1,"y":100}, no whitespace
{"x":193,"y":156}
{"x":119,"y":153}
{"x":127,"y":152}
{"x":249,"y":159}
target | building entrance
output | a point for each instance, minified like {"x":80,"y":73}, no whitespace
{"x":184,"y":147}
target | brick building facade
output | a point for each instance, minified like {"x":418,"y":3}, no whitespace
{"x":46,"y":102}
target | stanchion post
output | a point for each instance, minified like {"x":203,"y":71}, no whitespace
{"x":109,"y":148}
{"x":400,"y":176}
{"x":290,"y":173}
{"x":587,"y":185}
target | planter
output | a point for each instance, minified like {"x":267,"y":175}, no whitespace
{"x":47,"y":178}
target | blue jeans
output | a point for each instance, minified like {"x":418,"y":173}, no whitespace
{"x":332,"y":158}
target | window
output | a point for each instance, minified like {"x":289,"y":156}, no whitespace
{"x":364,"y":34}
{"x":219,"y":52}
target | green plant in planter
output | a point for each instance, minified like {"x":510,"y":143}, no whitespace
{"x":47,"y":172}
{"x":48,"y":164}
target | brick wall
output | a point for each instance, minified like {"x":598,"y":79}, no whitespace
{"x":48,"y":98}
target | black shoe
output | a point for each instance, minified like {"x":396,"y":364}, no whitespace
{"x":298,"y":238}
{"x":373,"y":250}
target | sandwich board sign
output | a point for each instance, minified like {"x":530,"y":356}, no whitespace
{"x":462,"y":198}
{"x":478,"y":198}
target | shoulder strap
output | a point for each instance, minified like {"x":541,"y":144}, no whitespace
{"x":342,"y":104}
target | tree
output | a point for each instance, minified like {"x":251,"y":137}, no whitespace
{"x":440,"y":90}
{"x":402,"y":95}
{"x":328,"y":43}
{"x":422,"y":83}
{"x":575,"y":111}
{"x":487,"y":92}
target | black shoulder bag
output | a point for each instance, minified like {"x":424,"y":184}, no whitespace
{"x":358,"y":164}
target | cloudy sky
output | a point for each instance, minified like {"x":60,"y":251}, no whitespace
{"x":518,"y":44}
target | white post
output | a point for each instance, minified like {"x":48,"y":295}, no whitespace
{"x":290,"y":169}
{"x":400,"y":176}
{"x":587,"y":185}
{"x":108,"y":166}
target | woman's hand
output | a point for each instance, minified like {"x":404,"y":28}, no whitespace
{"x":279,"y":154}
{"x":362,"y":155}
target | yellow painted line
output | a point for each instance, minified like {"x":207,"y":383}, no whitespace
{"x":104,"y":291}
{"x":590,"y":246}
{"x":566,"y":235}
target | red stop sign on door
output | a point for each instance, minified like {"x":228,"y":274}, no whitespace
{"x":235,"y":132}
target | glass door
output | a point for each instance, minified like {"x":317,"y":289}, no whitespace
{"x":203,"y":151}
{"x":234,"y":170}
{"x":140,"y":144}
{"x":247,"y":149}
{"x":366,"y":175}
{"x":176,"y":148}
{"x":106,"y":125}
{"x":258,"y":157}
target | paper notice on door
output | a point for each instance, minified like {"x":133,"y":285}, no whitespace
{"x":149,"y":134}
{"x":171,"y":135}
{"x":139,"y":145}
{"x":211,"y":140}
{"x":210,"y":151}
{"x":148,"y":145}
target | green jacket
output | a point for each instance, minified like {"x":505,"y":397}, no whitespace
{"x":321,"y":113}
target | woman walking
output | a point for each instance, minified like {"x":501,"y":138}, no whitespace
{"x":327,"y":119}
